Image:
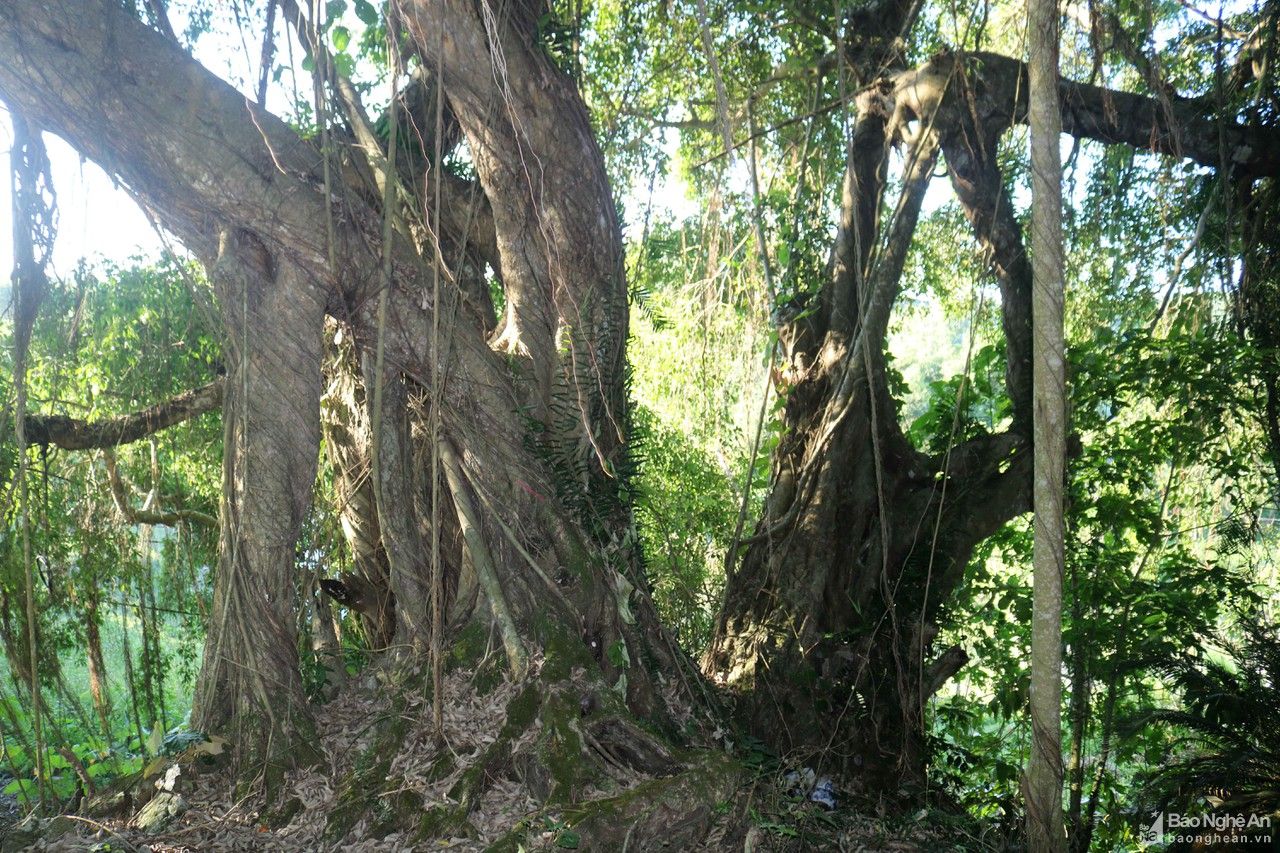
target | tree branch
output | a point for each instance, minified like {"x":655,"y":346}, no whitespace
{"x":183,"y":141}
{"x":995,"y":94}
{"x":120,"y":496}
{"x":941,"y":670}
{"x":75,"y":434}
{"x":971,"y":161}
{"x":866,"y":164}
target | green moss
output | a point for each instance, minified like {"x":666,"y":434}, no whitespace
{"x":673,"y":812}
{"x":468,"y":649}
{"x":364,"y":788}
{"x":705,"y":786}
{"x":522,"y":710}
{"x":397,"y":811}
{"x":488,"y":676}
{"x":562,"y":649}
{"x":468,"y":789}
{"x":441,"y":766}
{"x":440,"y":822}
{"x":560,"y":748}
{"x":281,"y":816}
{"x":268,"y":759}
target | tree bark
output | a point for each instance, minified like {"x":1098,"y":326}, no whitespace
{"x":75,"y":434}
{"x":98,"y":687}
{"x":537,"y":430}
{"x":1043,"y":790}
{"x":250,"y":676}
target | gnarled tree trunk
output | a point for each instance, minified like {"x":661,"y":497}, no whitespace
{"x":829,"y":619}
{"x":537,"y":540}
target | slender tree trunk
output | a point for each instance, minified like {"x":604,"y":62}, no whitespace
{"x":99,"y":690}
{"x":1044,"y":770}
{"x":1080,"y":706}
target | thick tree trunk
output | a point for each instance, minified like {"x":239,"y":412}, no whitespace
{"x":532,"y":437}
{"x":271,"y":417}
{"x":830,"y":619}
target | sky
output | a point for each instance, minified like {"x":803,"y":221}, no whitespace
{"x":95,"y":217}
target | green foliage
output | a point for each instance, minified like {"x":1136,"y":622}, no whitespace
{"x":1228,"y":744}
{"x":685,"y":513}
{"x":109,"y":344}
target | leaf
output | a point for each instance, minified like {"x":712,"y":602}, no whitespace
{"x":154,"y":740}
{"x":212,"y":746}
{"x":568,"y":840}
{"x":366,"y":13}
{"x":334,"y":9}
{"x":341,"y":39}
{"x":618,"y":655}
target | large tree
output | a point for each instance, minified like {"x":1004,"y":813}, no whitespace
{"x":534,"y":530}
{"x":831,"y":613}
{"x":352,"y":279}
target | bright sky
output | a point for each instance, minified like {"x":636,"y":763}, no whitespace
{"x":95,"y":217}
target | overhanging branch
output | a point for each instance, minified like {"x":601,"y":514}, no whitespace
{"x":995,"y":95}
{"x":75,"y":434}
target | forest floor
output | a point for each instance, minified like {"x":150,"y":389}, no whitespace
{"x":364,"y":800}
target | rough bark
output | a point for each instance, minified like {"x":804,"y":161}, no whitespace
{"x":274,"y":317}
{"x":828,"y":621}
{"x":537,"y":431}
{"x":77,"y":434}
{"x":98,"y":690}
{"x":346,"y":440}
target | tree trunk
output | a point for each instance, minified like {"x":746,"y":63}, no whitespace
{"x":533,"y":434}
{"x":827,"y":627}
{"x":1043,"y":792}
{"x":250,"y":678}
{"x":98,"y":689}
{"x":829,"y":621}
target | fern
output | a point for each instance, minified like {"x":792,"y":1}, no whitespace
{"x":1231,"y":745}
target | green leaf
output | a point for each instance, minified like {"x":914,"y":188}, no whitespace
{"x":366,"y":13}
{"x":618,"y":655}
{"x":341,"y":38}
{"x":568,"y":840}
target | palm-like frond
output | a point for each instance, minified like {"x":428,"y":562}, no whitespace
{"x":1230,"y":715}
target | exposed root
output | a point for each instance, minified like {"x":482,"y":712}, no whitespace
{"x":520,"y":764}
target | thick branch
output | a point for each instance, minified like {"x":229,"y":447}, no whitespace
{"x":867,"y":161}
{"x":995,"y":97}
{"x":940,"y":671}
{"x":75,"y":434}
{"x":558,"y":241}
{"x":186,"y":143}
{"x":971,"y":161}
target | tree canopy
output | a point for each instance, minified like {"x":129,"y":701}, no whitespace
{"x":552,"y":423}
